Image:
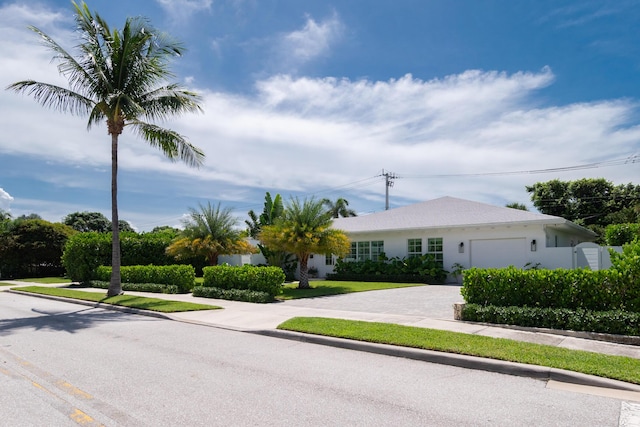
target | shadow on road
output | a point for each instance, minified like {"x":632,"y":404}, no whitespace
{"x":61,"y":321}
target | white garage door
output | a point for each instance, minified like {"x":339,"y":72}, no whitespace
{"x":496,"y":253}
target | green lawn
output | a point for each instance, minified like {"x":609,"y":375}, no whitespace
{"x":321,"y":288}
{"x":153,"y":304}
{"x":615,"y":367}
{"x":44,"y":280}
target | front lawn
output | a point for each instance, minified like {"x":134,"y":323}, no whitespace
{"x":44,"y":280}
{"x":320,"y":288}
{"x":131,"y":301}
{"x":603,"y":365}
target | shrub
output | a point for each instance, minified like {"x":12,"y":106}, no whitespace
{"x":247,"y":277}
{"x":422,"y":269}
{"x":607,"y":322}
{"x":232,"y":294}
{"x":620,"y":234}
{"x":182,"y":276}
{"x":139,"y":287}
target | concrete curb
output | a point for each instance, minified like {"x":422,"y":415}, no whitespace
{"x":459,"y":360}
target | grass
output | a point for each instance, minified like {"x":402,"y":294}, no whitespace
{"x":131,"y":301}
{"x":607,"y":366}
{"x":320,"y":288}
{"x":43,"y":280}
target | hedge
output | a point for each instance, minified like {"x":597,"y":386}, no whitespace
{"x":182,"y":276}
{"x":247,"y":277}
{"x":232,"y":294}
{"x":139,"y":287}
{"x":601,"y":290}
{"x":606,"y":322}
{"x":419,"y":269}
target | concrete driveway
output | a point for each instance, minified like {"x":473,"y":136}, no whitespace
{"x":433,"y":301}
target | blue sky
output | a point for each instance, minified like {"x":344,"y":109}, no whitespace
{"x":316,"y":98}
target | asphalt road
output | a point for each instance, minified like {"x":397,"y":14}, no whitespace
{"x":66,"y":365}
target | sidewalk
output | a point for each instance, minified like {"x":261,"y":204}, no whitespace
{"x":264,"y":318}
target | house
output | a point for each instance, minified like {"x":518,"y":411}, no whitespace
{"x":463,"y":233}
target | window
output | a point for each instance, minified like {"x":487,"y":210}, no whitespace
{"x":328,"y":259}
{"x":377,"y":248}
{"x":434,"y":247}
{"x":414,"y":247}
{"x":361,"y":251}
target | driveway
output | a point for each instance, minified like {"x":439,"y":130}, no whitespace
{"x":433,"y":301}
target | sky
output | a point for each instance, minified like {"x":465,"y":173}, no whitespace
{"x":319,"y":98}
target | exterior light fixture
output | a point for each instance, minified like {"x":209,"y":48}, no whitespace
{"x":461,"y":247}
{"x":533,"y":245}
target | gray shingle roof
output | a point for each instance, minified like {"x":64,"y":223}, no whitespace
{"x":445,"y":212}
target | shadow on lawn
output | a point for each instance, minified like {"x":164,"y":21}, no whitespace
{"x":315,"y":291}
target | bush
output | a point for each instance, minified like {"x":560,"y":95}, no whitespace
{"x":606,"y":322}
{"x":182,"y":276}
{"x":248,"y":277}
{"x":232,"y":294}
{"x":422,"y":269}
{"x":139,"y":287}
{"x":620,"y":234}
{"x":573,"y":289}
{"x":85,"y":252}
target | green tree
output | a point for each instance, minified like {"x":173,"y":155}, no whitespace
{"x":339,"y":208}
{"x":516,"y":205}
{"x":209,"y":232}
{"x":88,"y":221}
{"x":273,"y":209}
{"x":304,"y":229}
{"x":33,"y":247}
{"x":120,"y":77}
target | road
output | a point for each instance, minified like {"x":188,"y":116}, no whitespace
{"x":66,"y":365}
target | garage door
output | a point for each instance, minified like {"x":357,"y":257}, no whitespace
{"x":496,"y":253}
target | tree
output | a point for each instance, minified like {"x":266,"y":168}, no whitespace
{"x":210,"y":232}
{"x":303,"y":229}
{"x":516,"y":205}
{"x":589,"y":201}
{"x":33,"y":247}
{"x":88,"y":221}
{"x":339,"y":208}
{"x":273,"y":209}
{"x":120,"y":77}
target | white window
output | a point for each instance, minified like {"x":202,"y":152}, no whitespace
{"x":361,"y":251}
{"x":434,"y":247}
{"x":414,"y":247}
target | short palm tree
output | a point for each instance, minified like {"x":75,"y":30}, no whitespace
{"x":119,"y":77}
{"x":304,"y":229}
{"x":209,"y":232}
{"x":339,"y":208}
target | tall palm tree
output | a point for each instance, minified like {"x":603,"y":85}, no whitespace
{"x":303,"y":229}
{"x":120,"y":77}
{"x":339,"y":208}
{"x":210,"y":231}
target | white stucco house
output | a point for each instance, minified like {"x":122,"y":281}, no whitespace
{"x":462,"y":232}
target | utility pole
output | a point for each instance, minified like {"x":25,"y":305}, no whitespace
{"x":388,"y":177}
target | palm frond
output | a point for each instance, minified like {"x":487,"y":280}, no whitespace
{"x":56,"y":97}
{"x":174,"y":145}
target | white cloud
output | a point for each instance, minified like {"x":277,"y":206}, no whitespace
{"x":314,"y":40}
{"x":5,"y":200}
{"x":179,"y":11}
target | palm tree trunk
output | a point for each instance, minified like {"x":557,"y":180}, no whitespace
{"x":304,"y":273}
{"x":115,"y":286}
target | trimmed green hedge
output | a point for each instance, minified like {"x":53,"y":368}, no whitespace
{"x":418,"y":269}
{"x":247,"y":277}
{"x":232,"y":294}
{"x":139,"y":287}
{"x":620,"y":234}
{"x":182,"y":276}
{"x":606,"y":322}
{"x":602,"y":290}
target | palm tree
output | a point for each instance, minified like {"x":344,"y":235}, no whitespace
{"x":120,"y":77}
{"x":210,"y":232}
{"x":339,"y":209}
{"x":303,"y":229}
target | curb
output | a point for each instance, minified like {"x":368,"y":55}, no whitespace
{"x":458,"y":360}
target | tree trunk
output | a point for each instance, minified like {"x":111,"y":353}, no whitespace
{"x":115,"y":286}
{"x":304,"y":272}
